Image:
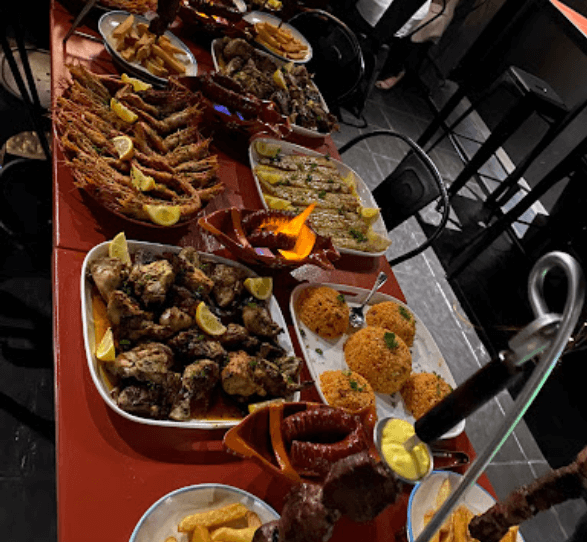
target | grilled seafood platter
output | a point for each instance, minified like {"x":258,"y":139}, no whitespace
{"x":168,"y":164}
{"x":192,"y":347}
{"x":289,"y":86}
{"x":291,"y":177}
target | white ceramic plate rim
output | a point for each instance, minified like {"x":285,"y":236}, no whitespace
{"x":243,"y":496}
{"x":261,"y":17}
{"x":424,"y":346}
{"x":89,"y":338}
{"x":308,"y":132}
{"x":477,"y":498}
{"x":365,"y":195}
{"x":106,"y":26}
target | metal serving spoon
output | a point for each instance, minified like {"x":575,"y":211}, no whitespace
{"x":356,"y":317}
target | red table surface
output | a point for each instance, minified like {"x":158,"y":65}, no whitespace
{"x":109,"y":469}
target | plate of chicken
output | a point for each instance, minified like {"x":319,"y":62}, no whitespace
{"x":190,"y":346}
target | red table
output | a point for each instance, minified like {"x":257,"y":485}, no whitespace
{"x":109,"y":469}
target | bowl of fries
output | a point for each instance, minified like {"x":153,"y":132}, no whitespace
{"x":204,"y":512}
{"x":279,"y":38}
{"x":153,"y":58}
{"x":428,"y":496}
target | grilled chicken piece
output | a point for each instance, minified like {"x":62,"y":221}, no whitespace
{"x":108,"y":275}
{"x":190,"y":274}
{"x":147,"y":399}
{"x":193,"y":344}
{"x":258,"y":321}
{"x":175,"y":319}
{"x":237,"y":336}
{"x":289,"y":367}
{"x":148,"y":362}
{"x":152,"y":281}
{"x":228,"y":284}
{"x":123,"y":308}
{"x":197,"y":382}
{"x":238,"y":377}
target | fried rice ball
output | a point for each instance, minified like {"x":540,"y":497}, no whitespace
{"x":394,"y":317}
{"x":324,"y":311}
{"x":381,"y":356}
{"x":346,"y":389}
{"x":421,"y":391}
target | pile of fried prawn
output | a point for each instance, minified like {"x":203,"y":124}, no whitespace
{"x":168,"y":146}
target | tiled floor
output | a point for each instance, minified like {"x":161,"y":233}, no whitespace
{"x":27,"y":452}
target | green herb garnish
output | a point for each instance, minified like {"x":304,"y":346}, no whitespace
{"x":359,"y":236}
{"x":322,"y":194}
{"x":390,"y":340}
{"x":320,"y":351}
{"x":340,"y":298}
{"x":405,"y":313}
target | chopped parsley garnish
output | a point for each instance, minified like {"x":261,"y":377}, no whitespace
{"x":359,"y":236}
{"x":313,"y":166}
{"x":253,"y":363}
{"x":124,"y":342}
{"x":251,"y":304}
{"x":354,"y":385}
{"x":340,"y":298}
{"x":322,"y":194}
{"x":320,"y":351}
{"x":390,"y":340}
{"x":405,"y":313}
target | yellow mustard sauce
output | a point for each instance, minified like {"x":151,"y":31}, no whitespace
{"x":411,"y":465}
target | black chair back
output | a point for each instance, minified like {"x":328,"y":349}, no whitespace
{"x":337,"y":61}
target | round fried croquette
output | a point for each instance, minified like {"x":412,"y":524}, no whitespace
{"x":381,"y":356}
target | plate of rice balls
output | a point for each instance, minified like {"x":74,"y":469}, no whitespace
{"x":392,"y":362}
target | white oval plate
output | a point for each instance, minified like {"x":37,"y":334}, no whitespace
{"x":423,"y":498}
{"x":328,"y":355}
{"x":307,"y":132}
{"x":365,"y":195}
{"x":262,"y":17}
{"x":160,"y":521}
{"x":109,"y":21}
{"x":100,"y":251}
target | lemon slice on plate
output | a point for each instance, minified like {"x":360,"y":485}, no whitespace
{"x":106,"y":350}
{"x":163,"y":215}
{"x":122,"y":111}
{"x":142,"y":182}
{"x":253,"y":407}
{"x":278,"y":204}
{"x":268,"y":150}
{"x":137,"y":84}
{"x":124,"y":147}
{"x":118,"y":248}
{"x":208,"y":322}
{"x":279,"y":79}
{"x":259,"y":287}
{"x":369,"y":213}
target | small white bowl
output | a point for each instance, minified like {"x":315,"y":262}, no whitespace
{"x":423,"y":498}
{"x":162,"y":518}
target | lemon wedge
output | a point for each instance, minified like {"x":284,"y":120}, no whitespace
{"x":208,"y":322}
{"x":369,"y":213}
{"x":124,"y":147}
{"x":164,"y":215}
{"x":137,"y":84}
{"x":142,"y":182}
{"x":106,"y":350}
{"x":271,"y":177}
{"x":279,"y":80}
{"x":259,"y":287}
{"x":253,"y":407}
{"x":122,"y":111}
{"x":268,"y":150}
{"x":118,"y":248}
{"x":278,"y":204}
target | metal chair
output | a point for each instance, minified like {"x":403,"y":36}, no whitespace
{"x":414,"y":184}
{"x":337,"y":60}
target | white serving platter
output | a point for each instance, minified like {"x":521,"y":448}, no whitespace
{"x":261,"y":17}
{"x":328,"y":355}
{"x":300,"y":130}
{"x":423,"y":498}
{"x":365,"y":195}
{"x":100,"y":251}
{"x":160,"y":521}
{"x":109,"y":21}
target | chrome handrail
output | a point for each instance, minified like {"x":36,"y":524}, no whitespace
{"x":547,"y":336}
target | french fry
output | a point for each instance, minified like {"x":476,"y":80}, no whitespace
{"x":227,"y":534}
{"x":443,"y":493}
{"x":168,"y":60}
{"x":212,"y":518}
{"x":155,"y":68}
{"x":460,"y":524}
{"x":253,"y":520}
{"x":200,"y":534}
{"x":124,"y":27}
{"x":165,"y":43}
